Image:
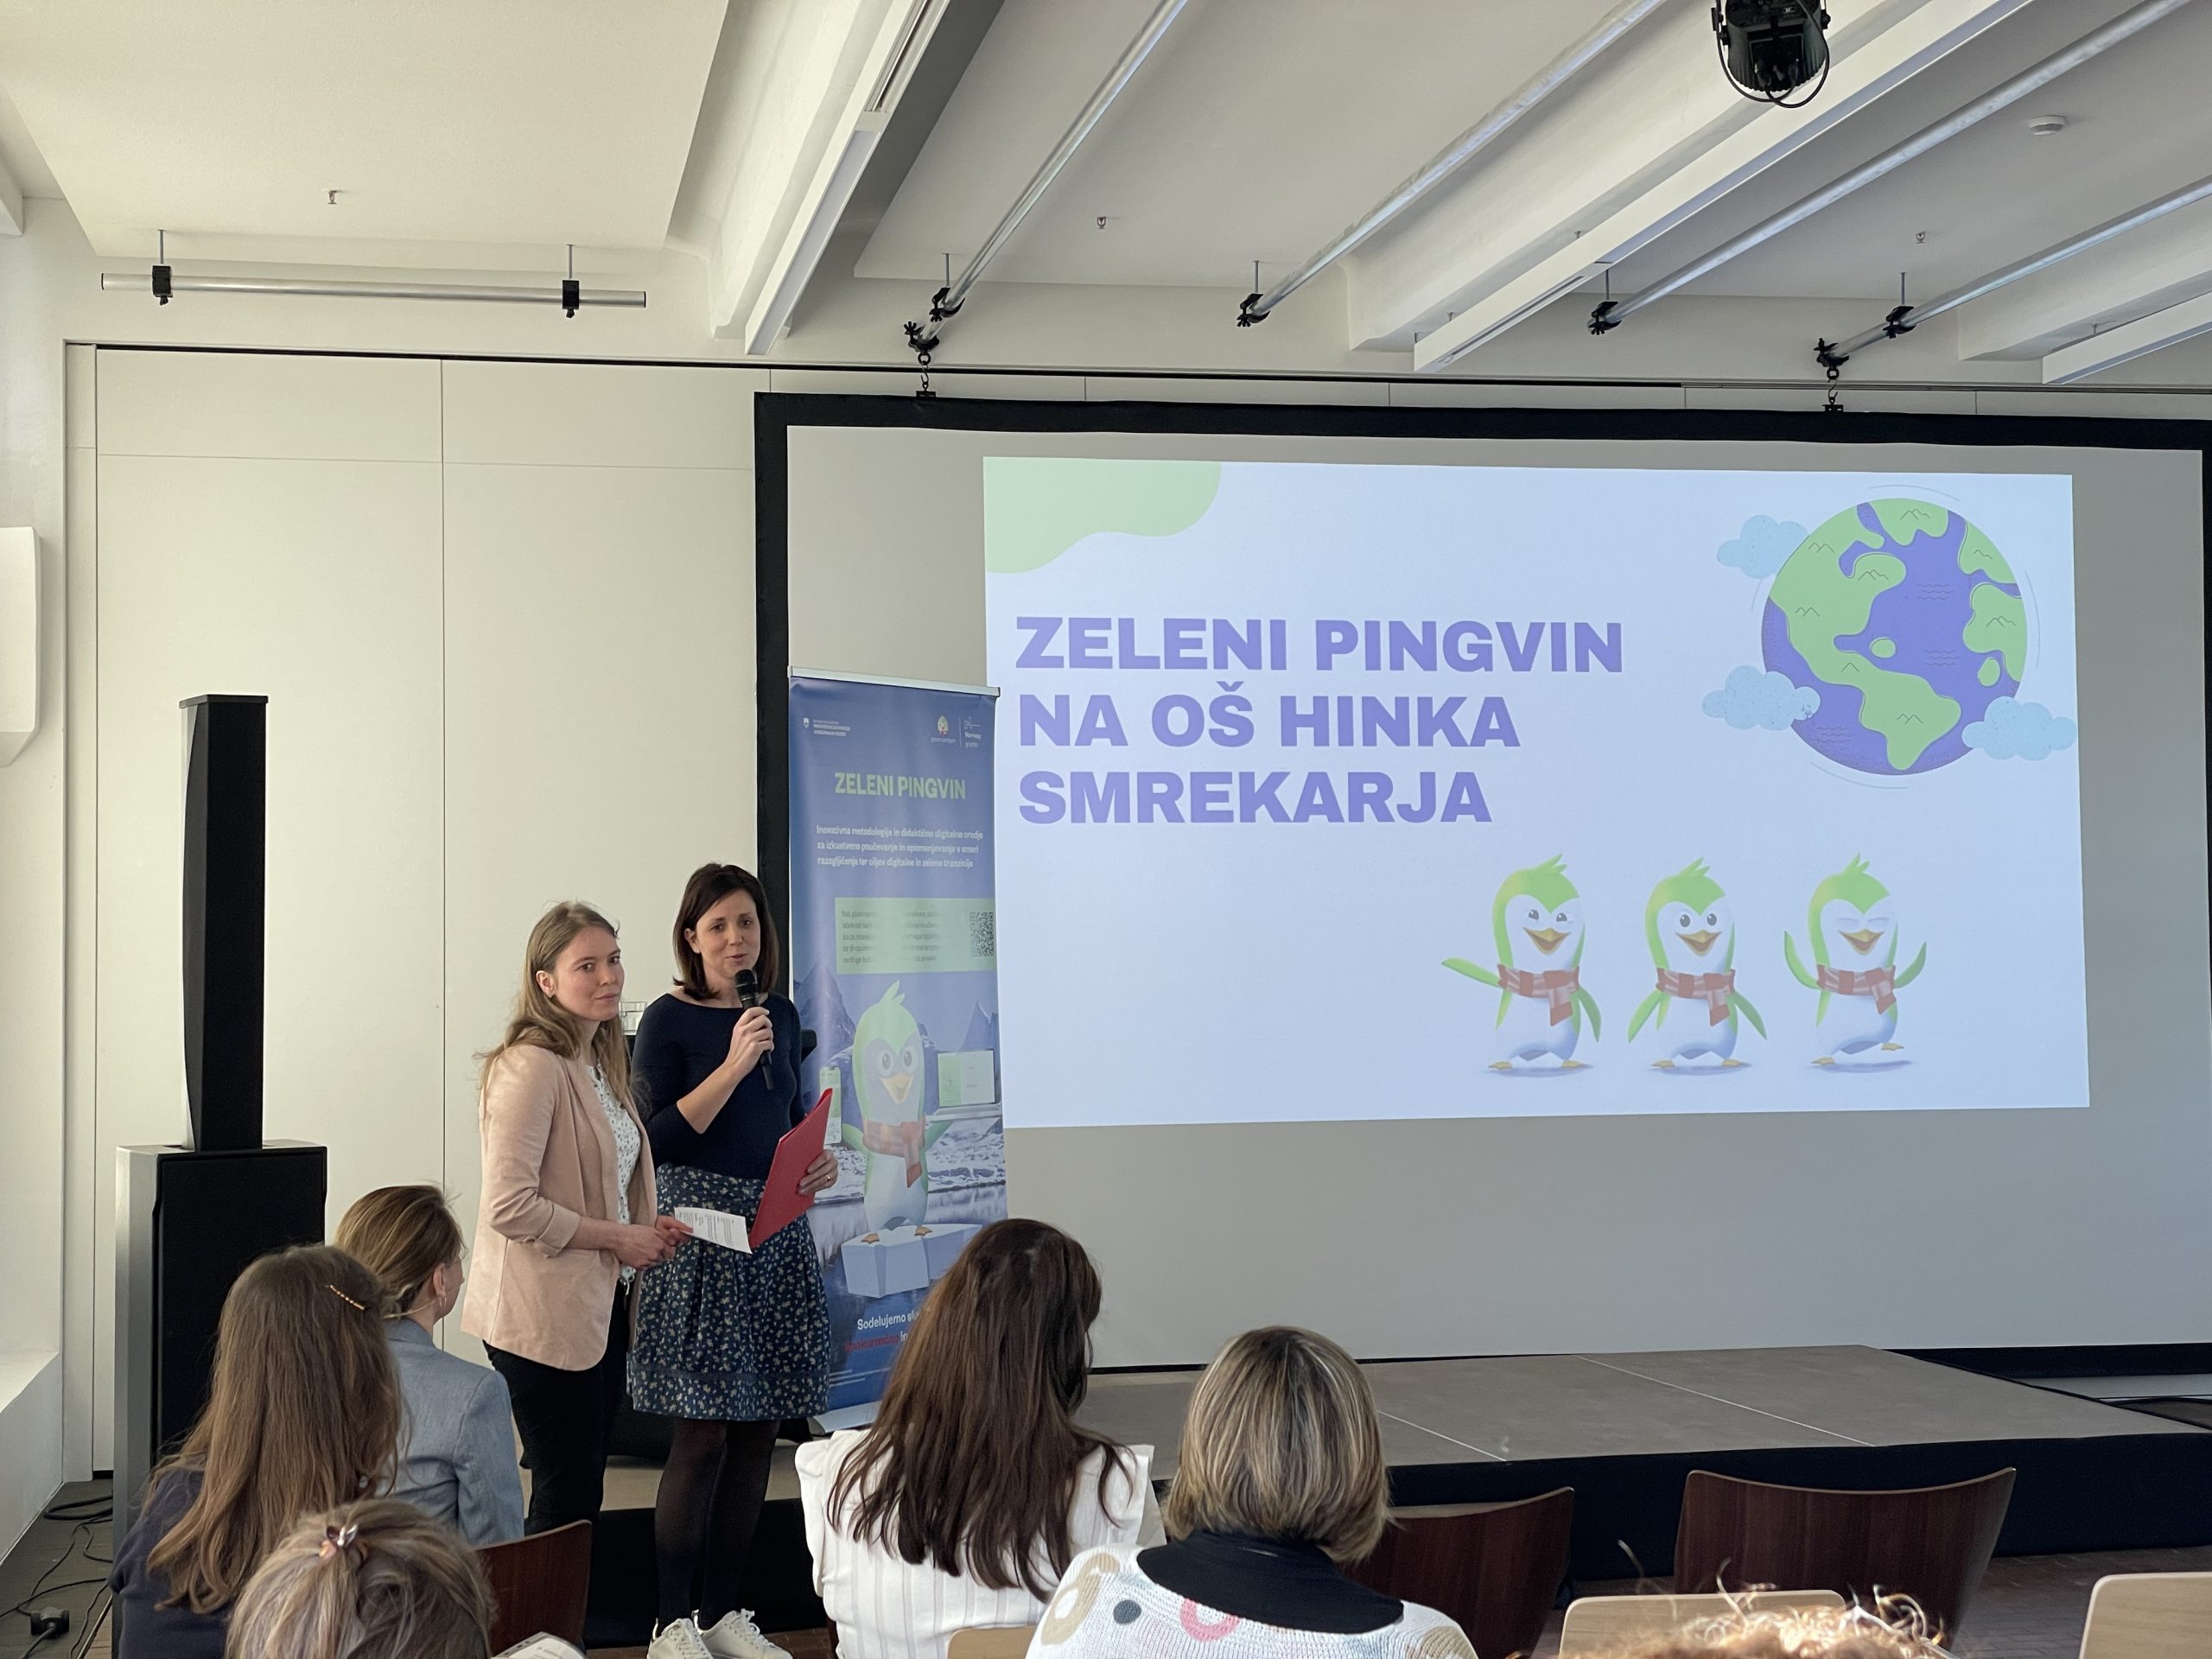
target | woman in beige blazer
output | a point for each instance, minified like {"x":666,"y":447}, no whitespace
{"x":569,"y":1215}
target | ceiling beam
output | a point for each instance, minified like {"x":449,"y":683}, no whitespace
{"x":1560,"y":253}
{"x":2148,"y":269}
{"x":2189,"y":320}
{"x":802,"y":95}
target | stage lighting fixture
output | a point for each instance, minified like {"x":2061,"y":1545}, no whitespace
{"x":1769,"y":49}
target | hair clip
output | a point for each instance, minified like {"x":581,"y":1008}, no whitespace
{"x":336,"y":1540}
{"x":358,"y":1306}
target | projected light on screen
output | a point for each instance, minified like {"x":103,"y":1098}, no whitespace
{"x":1602,"y":792}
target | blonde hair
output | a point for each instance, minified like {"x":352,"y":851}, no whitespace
{"x":376,"y":1579}
{"x":1281,"y":1442}
{"x":403,"y":1234}
{"x":302,"y":1414}
{"x":1893,"y":1629}
{"x":539,"y":1021}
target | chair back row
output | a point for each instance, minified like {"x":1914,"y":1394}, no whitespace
{"x":540,"y":1584}
{"x":1932,"y":1543}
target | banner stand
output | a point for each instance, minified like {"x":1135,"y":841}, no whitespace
{"x":894,"y":952}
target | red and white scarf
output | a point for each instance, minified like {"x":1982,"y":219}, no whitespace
{"x":1715,"y":989}
{"x":904,"y":1140}
{"x":1556,"y":985}
{"x":1880,"y":983}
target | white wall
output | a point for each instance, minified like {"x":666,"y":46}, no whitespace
{"x":503,"y":614}
{"x":598,"y":671}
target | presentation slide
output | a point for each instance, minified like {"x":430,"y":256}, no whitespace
{"x":1606,"y":791}
{"x":1499,"y":881}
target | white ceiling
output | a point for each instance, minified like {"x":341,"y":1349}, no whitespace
{"x":518,"y":123}
{"x":2139,"y":125}
{"x":487,"y":133}
{"x":1256,"y":131}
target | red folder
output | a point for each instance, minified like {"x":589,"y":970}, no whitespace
{"x":783,"y":1204}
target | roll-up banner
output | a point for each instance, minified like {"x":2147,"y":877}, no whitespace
{"x":894,"y":968}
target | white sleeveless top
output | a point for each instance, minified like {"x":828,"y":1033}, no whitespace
{"x":886,"y":1608}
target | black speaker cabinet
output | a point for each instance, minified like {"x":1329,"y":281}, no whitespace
{"x":226,"y":792}
{"x":187,"y":1223}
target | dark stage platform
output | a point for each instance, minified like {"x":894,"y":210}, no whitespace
{"x":1625,"y":1429}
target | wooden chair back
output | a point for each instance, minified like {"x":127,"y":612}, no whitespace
{"x":2149,"y":1615}
{"x":991,"y":1642}
{"x":1595,"y":1624}
{"x":1494,"y":1568}
{"x":542,"y":1582}
{"x":1932,"y":1543}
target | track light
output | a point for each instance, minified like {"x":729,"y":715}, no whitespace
{"x":1769,"y":48}
{"x":571,"y":296}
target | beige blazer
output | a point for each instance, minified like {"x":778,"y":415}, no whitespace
{"x":549,"y":1161}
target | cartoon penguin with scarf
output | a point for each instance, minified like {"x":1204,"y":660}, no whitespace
{"x":1853,"y":925}
{"x":893,"y":1138}
{"x":1691,"y":933}
{"x":1536,"y":921}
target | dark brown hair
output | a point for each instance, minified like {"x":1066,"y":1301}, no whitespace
{"x":302,"y":1414}
{"x":376,"y":1579}
{"x":709,"y":885}
{"x":971,"y":1462}
{"x":403,"y":1234}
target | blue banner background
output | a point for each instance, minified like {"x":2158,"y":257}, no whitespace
{"x":891,"y":789}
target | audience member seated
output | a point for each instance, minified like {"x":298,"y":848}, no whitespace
{"x":376,"y":1579}
{"x":966,"y":1499}
{"x":1281,"y":1478}
{"x":302,"y":1414}
{"x":1895,"y":1631}
{"x":457,"y":1444}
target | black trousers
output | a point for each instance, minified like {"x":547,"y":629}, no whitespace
{"x":564,"y":1419}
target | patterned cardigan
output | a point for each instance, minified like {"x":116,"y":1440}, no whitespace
{"x":1106,"y":1608}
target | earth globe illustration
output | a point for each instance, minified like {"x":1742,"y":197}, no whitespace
{"x":1905,"y":622}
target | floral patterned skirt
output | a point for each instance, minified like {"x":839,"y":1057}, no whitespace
{"x":724,"y":1336}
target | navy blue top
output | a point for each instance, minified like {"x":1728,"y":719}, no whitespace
{"x":679,"y":1045}
{"x":143,"y":1628}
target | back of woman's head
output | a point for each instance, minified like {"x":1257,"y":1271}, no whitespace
{"x":1281,"y":1442}
{"x":972,"y":1460}
{"x":302,"y":1414}
{"x":403,"y":1235}
{"x":375,"y":1579}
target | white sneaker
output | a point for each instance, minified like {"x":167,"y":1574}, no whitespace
{"x":679,"y":1639}
{"x":736,"y":1636}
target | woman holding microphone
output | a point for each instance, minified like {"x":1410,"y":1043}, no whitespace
{"x":729,"y":1344}
{"x":568,"y":1218}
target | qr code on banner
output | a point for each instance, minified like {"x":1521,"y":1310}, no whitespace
{"x":983,"y":935}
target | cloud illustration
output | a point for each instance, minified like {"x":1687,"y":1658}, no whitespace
{"x":1763,"y":545}
{"x":2012,"y":730}
{"x":1761,"y":698}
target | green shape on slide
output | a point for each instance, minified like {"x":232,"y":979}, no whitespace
{"x":1999,"y":625}
{"x":1882,"y":648}
{"x":1036,"y":507}
{"x":1826,"y":598}
{"x":1906,"y":518}
{"x":1976,"y":552}
{"x":1988,"y":671}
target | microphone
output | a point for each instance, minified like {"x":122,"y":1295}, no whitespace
{"x":748,"y":994}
